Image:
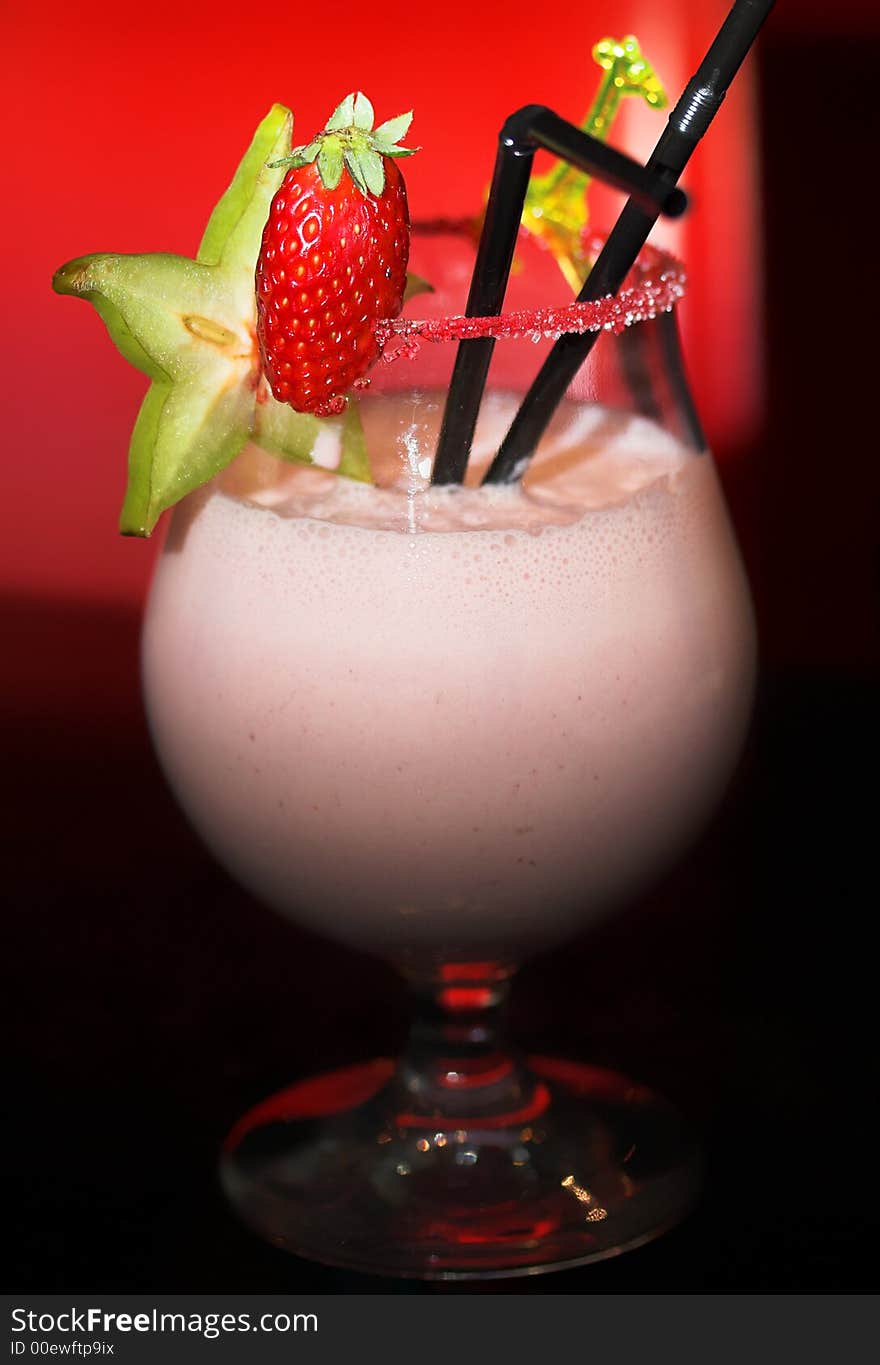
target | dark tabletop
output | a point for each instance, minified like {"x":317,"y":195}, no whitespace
{"x":150,"y":1002}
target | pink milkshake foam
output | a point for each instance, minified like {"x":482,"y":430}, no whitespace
{"x":453,"y":722}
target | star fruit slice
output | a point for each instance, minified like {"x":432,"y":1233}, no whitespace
{"x":191,"y":327}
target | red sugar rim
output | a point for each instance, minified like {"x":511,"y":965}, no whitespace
{"x":660,"y":282}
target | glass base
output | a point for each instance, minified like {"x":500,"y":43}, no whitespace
{"x":331,"y":1170}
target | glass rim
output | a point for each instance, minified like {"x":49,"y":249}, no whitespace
{"x":655,"y":284}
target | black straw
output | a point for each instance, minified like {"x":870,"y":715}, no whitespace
{"x":523,"y":133}
{"x":687,"y":123}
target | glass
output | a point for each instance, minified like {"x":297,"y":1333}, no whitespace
{"x":452,"y":727}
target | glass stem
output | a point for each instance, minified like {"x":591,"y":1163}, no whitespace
{"x":457,"y":1066}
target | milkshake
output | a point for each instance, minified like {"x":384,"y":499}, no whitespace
{"x":452,"y":723}
{"x":444,"y":718}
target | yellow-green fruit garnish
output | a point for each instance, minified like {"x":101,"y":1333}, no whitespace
{"x":556,"y":203}
{"x":191,"y":326}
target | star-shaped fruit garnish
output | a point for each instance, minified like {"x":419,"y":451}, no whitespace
{"x":191,"y":326}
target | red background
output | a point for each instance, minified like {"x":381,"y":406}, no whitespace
{"x":126,"y":126}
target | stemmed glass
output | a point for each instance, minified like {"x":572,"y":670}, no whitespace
{"x":453,"y":727}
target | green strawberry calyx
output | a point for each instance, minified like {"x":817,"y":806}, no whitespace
{"x":350,"y":142}
{"x":190,"y":326}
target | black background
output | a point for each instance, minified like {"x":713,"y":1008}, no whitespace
{"x":149,"y":1001}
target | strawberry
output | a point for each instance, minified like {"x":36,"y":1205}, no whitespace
{"x":333,"y":258}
